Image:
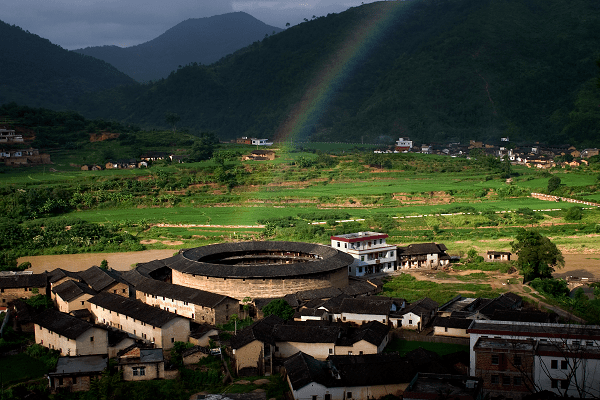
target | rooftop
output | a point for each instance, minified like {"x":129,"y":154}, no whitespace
{"x":259,"y":259}
{"x":359,"y":236}
{"x":80,"y":365}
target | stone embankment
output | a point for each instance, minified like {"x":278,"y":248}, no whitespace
{"x":548,"y":197}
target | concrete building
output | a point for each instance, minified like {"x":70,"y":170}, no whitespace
{"x":372,"y":255}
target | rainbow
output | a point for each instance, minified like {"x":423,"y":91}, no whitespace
{"x":305,"y":114}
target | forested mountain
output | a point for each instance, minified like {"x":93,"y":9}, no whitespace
{"x":35,"y":72}
{"x":200,"y":40}
{"x":432,"y":70}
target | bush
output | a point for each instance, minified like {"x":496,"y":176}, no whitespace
{"x":574,"y":214}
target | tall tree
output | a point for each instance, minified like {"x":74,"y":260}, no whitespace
{"x":538,"y":256}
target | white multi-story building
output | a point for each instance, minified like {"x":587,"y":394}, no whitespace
{"x":404,"y":144}
{"x":261,"y":142}
{"x":371,"y":252}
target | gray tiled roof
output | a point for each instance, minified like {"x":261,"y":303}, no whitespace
{"x":80,"y":365}
{"x":133,"y":309}
{"x":99,"y":279}
{"x":261,"y":330}
{"x":59,"y":273}
{"x":62,"y":324}
{"x":191,"y":261}
{"x":421,"y":249}
{"x":23,"y":281}
{"x":71,"y":290}
{"x":178,"y":292}
{"x":306,"y":334}
{"x":367,"y":305}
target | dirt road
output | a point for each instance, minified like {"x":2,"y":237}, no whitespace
{"x":81,"y":262}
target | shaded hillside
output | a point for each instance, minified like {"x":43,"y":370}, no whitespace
{"x":446,"y":69}
{"x":36,"y":72}
{"x":200,"y":40}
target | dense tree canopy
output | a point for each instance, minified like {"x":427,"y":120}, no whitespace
{"x":538,"y":256}
{"x":280,"y":308}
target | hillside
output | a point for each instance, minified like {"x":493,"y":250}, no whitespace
{"x":41,"y":74}
{"x":448,"y":69}
{"x":200,"y":40}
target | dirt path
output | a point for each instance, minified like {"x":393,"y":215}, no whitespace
{"x":81,"y":262}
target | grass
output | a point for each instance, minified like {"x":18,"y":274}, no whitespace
{"x":408,"y":287}
{"x":20,"y":368}
{"x":405,"y":346}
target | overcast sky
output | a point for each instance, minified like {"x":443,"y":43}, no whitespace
{"x":75,"y":24}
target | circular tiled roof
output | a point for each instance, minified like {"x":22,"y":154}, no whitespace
{"x":325,"y":259}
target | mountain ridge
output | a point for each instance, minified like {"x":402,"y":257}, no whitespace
{"x":200,"y":40}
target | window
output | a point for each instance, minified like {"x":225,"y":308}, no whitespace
{"x":172,"y":340}
{"x":564,"y":383}
{"x":410,"y":321}
{"x":495,"y":379}
{"x":506,"y":380}
{"x":91,"y":338}
{"x":576,"y":343}
{"x":330,"y":351}
{"x":74,"y":380}
{"x":564,"y":364}
{"x":554,"y":364}
{"x":517,"y":361}
{"x":362,"y":258}
{"x":554,"y":383}
{"x":135,"y":371}
{"x":338,"y":244}
{"x":589,"y":343}
{"x":360,"y":353}
{"x":142,"y":371}
{"x":349,"y":395}
{"x":517,"y":381}
{"x":350,"y":353}
{"x":314,"y":398}
{"x":327,"y":396}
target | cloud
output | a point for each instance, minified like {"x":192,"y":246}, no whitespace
{"x":76,"y":24}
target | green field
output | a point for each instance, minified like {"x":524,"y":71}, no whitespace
{"x":405,"y":346}
{"x":21,"y":368}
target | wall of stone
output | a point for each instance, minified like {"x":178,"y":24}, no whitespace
{"x":262,"y":288}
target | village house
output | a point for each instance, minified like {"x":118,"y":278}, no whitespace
{"x":362,"y":310}
{"x":138,"y":363}
{"x":451,"y":326}
{"x":323,"y":339}
{"x":9,"y":136}
{"x":117,"y":341}
{"x":69,"y":335}
{"x":567,"y":357}
{"x":260,"y":142}
{"x":151,"y":324}
{"x":503,"y":256}
{"x":260,"y":155}
{"x":71,"y":295}
{"x":59,"y":275}
{"x":198,"y":305}
{"x":21,"y":286}
{"x":201,"y":334}
{"x":417,"y":315}
{"x":75,"y":374}
{"x":253,"y":347}
{"x":347,"y":377}
{"x":105,"y":280}
{"x":371,"y":252}
{"x":423,"y":255}
{"x":91,"y":167}
{"x":194,"y":354}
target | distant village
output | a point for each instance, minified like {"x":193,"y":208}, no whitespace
{"x":333,"y":346}
{"x":533,"y":156}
